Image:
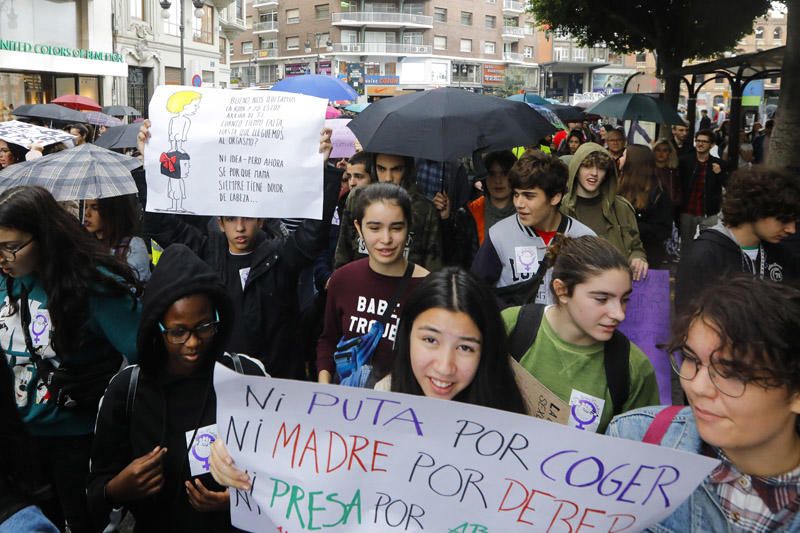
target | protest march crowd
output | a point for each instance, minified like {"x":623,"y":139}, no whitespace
{"x":452,"y":280}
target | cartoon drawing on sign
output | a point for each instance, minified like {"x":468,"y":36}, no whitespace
{"x":176,"y":162}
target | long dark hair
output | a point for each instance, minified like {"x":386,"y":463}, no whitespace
{"x":382,"y":192}
{"x":73,"y":265}
{"x":638,"y":176}
{"x":576,"y":259}
{"x":120,"y":216}
{"x":457,"y":290}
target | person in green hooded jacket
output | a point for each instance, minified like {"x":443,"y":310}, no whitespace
{"x":592,"y":199}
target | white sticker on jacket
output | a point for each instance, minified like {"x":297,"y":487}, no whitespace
{"x":527,"y":260}
{"x":585,"y":411}
{"x":244,"y":273}
{"x":200,"y":449}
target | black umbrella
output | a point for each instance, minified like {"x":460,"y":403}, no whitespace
{"x":121,"y":111}
{"x":634,"y":106}
{"x":567,"y":113}
{"x":49,"y":112}
{"x":119,"y":137}
{"x":444,"y":124}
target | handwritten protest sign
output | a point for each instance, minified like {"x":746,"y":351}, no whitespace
{"x":346,"y":459}
{"x":343,"y":139}
{"x":237,"y":153}
{"x":541,"y":401}
{"x":24,"y":134}
{"x":647,"y":325}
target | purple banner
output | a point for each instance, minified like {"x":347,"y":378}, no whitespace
{"x":647,"y":324}
{"x":343,"y":139}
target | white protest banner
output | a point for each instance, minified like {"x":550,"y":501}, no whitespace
{"x":24,"y":134}
{"x":238,"y":153}
{"x":346,"y":460}
{"x":343,"y":139}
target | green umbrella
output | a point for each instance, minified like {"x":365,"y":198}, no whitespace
{"x":634,"y":106}
{"x":528,"y":98}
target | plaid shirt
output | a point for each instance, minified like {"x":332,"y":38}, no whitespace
{"x":430,"y":175}
{"x":754,"y":504}
{"x":695,"y":205}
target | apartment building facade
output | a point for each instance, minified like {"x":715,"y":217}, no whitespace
{"x":148,"y":39}
{"x":386,"y":47}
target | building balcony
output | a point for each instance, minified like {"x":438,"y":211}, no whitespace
{"x":381,"y":49}
{"x":265,"y":27}
{"x":512,"y":7}
{"x":513,"y":33}
{"x":231,"y":23}
{"x":381,"y":19}
{"x":513,"y":57}
{"x":268,"y":5}
{"x":267,"y":53}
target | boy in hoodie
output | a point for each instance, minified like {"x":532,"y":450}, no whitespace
{"x":512,"y":253}
{"x":260,"y":271}
{"x":592,"y":199}
{"x":141,"y":458}
{"x":760,"y":209}
{"x":425,"y":246}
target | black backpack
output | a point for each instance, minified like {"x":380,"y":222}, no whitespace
{"x":616,"y":352}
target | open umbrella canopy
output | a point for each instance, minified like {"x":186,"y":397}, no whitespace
{"x":121,"y":111}
{"x":551,"y":117}
{"x":332,"y":112}
{"x":101,"y":119}
{"x":444,"y":124}
{"x":119,"y":137}
{"x":321,"y":86}
{"x":81,"y":173}
{"x":634,"y":106}
{"x":357,"y":108}
{"x":528,"y":98}
{"x":49,"y":112}
{"x":77,"y":102}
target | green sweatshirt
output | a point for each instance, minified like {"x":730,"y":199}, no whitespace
{"x":569,"y":370}
{"x":112,"y":320}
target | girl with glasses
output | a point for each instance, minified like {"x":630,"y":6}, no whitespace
{"x":735,"y":350}
{"x":68,"y":313}
{"x":158,"y":419}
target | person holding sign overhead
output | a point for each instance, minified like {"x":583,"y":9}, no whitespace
{"x":157,"y":420}
{"x":573,"y":347}
{"x":259,"y":270}
{"x":738,"y":366}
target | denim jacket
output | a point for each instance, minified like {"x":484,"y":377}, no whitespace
{"x":701,"y":512}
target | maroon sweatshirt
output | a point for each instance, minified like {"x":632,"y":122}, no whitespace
{"x":357,"y":296}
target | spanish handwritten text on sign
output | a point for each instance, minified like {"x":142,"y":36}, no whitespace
{"x":237,"y":153}
{"x":346,"y":459}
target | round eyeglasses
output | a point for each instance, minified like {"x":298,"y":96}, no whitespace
{"x":689,"y":365}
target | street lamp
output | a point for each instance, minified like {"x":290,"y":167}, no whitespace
{"x":328,"y":46}
{"x":198,"y":12}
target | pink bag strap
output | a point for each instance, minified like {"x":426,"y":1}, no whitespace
{"x":660,"y":424}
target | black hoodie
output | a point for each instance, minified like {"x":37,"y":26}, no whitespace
{"x":715,"y":255}
{"x":165,"y":407}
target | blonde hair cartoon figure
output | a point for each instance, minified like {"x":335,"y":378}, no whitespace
{"x":182,"y":104}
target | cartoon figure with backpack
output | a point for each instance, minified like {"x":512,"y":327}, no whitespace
{"x":573,"y":347}
{"x":175,"y":163}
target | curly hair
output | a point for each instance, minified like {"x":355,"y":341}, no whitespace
{"x":758,"y":324}
{"x":761,"y":192}
{"x":537,"y":169}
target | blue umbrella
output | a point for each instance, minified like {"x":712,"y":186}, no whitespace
{"x":331,"y":89}
{"x":528,"y":98}
{"x":357,"y":108}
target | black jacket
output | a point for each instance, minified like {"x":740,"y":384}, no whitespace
{"x":712,"y":196}
{"x":655,"y":226}
{"x":269,"y":302}
{"x":164,"y":407}
{"x":714,"y":256}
